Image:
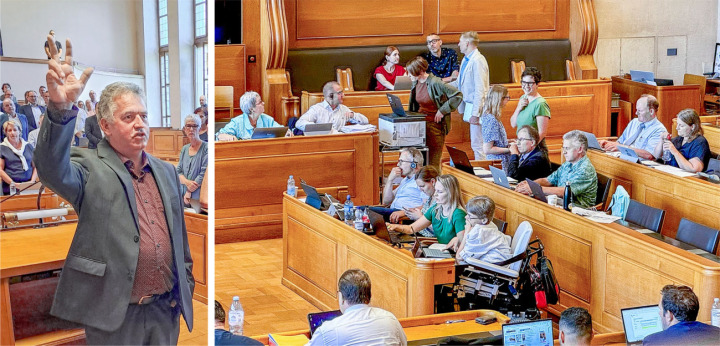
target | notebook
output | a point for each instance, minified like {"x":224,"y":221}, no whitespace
{"x":317,"y":129}
{"x":269,"y":132}
{"x":537,"y":190}
{"x":397,"y":107}
{"x":536,"y":333}
{"x":640,"y":322}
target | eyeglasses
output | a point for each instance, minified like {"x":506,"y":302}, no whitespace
{"x":433,"y":41}
{"x":527,"y":83}
{"x":191,"y":126}
{"x":404,"y":161}
{"x":524,"y":139}
{"x":506,"y":98}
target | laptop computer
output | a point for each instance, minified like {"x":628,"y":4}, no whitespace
{"x":316,"y":319}
{"x":537,"y":190}
{"x":628,"y":154}
{"x":593,"y":143}
{"x":318,"y":129}
{"x":402,"y":83}
{"x":500,"y":178}
{"x":640,"y":322}
{"x":460,"y":160}
{"x":397,"y":107}
{"x":321,"y":202}
{"x":381,"y":231}
{"x":642,"y":77}
{"x":536,"y":333}
{"x":269,"y":132}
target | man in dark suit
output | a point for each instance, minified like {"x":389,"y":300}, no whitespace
{"x":10,"y":113}
{"x":128,"y":274}
{"x":679,"y":308}
{"x":32,"y":110}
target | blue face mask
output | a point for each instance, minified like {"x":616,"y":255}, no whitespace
{"x":620,"y":202}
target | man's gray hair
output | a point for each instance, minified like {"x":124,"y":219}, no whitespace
{"x":248,"y":101}
{"x":106,"y":106}
{"x":416,"y":155}
{"x":194,"y":117}
{"x":328,"y":88}
{"x":471,"y":36}
{"x":578,"y":138}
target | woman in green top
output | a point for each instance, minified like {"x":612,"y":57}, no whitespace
{"x":447,"y":216}
{"x":532,"y":109}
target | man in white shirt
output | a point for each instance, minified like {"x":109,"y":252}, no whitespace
{"x":359,"y":324}
{"x":407,"y":195}
{"x":643,"y":133}
{"x":331,"y":110}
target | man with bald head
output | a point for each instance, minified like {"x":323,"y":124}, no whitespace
{"x":643,"y":133}
{"x":331,"y":110}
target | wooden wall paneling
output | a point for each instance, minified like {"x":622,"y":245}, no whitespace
{"x":230,"y":70}
{"x":165,"y":143}
{"x":585,"y":58}
{"x":252,"y":18}
{"x":326,"y":23}
{"x":197,"y":231}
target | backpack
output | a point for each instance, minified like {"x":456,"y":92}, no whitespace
{"x":550,"y":283}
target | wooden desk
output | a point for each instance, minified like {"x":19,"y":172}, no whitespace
{"x":601,"y":267}
{"x":165,"y":143}
{"x":567,"y":100}
{"x":712,"y":134}
{"x":317,"y":249}
{"x":691,"y":198}
{"x":431,"y":326}
{"x":19,"y":255}
{"x":252,"y":175}
{"x":672,"y":98}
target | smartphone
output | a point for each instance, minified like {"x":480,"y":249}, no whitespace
{"x":485,"y":320}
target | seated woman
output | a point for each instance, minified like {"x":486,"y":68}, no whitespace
{"x":193,"y":160}
{"x":483,"y":240}
{"x":389,"y":69}
{"x":447,"y":216}
{"x":425,"y":179}
{"x":495,"y":142}
{"x":432,"y":97}
{"x":690,"y":150}
{"x":527,"y":159}
{"x":532,"y":109}
{"x":243,"y":125}
{"x":202,"y":113}
{"x":16,"y":164}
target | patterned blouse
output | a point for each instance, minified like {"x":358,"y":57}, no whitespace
{"x":494,"y":131}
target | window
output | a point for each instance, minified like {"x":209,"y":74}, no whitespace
{"x":164,"y":57}
{"x":201,"y":48}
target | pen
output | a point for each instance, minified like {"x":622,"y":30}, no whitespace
{"x":454,"y":321}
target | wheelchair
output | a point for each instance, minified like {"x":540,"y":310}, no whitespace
{"x":509,"y":290}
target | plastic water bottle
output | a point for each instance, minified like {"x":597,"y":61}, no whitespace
{"x":236,"y":316}
{"x":359,"y":220}
{"x":667,"y":156}
{"x":348,"y":210}
{"x":13,"y":189}
{"x":715,"y":313}
{"x":567,"y":196}
{"x":291,"y":188}
{"x":366,"y":220}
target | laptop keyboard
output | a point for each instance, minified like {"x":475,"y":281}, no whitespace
{"x":435,"y":253}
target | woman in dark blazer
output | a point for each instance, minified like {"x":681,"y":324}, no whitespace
{"x":527,"y":160}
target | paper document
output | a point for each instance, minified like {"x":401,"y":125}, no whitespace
{"x":437,"y":246}
{"x":357,"y":128}
{"x":411,"y":130}
{"x":674,"y":171}
{"x":468,"y":112}
{"x":650,"y":163}
{"x":597,"y":216}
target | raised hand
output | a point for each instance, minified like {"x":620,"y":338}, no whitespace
{"x":63,"y":87}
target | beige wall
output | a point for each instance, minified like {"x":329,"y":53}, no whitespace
{"x":636,"y":35}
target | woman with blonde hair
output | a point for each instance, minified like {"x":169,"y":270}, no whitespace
{"x":689,"y":150}
{"x":495,"y":142}
{"x":447,"y":216}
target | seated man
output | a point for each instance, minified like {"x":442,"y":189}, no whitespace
{"x":575,"y":327}
{"x":331,"y":110}
{"x":643,"y":133}
{"x":224,"y":337}
{"x":577,"y":169}
{"x":679,"y":308}
{"x":408,"y":194}
{"x":359,"y":324}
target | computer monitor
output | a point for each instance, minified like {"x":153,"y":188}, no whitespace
{"x":640,"y":322}
{"x":537,"y":333}
{"x":642,"y":76}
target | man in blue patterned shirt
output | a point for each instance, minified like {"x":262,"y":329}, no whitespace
{"x":577,"y":169}
{"x":443,"y":62}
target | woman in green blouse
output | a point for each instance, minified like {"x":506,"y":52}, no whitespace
{"x":447,"y":216}
{"x":532,"y":109}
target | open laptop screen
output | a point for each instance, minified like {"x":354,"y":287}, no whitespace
{"x":316,"y":319}
{"x":640,"y":322}
{"x":528,"y":333}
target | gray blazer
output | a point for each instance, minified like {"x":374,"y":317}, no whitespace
{"x":98,"y":274}
{"x":474,"y":84}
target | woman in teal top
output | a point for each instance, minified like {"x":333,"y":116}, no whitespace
{"x":532,"y":109}
{"x":243,"y":125}
{"x":447,"y":216}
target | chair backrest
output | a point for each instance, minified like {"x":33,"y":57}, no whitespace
{"x":516,"y":69}
{"x":713,"y":165}
{"x":570,"y":70}
{"x":603,"y":190}
{"x":699,"y":80}
{"x":345,"y":78}
{"x":702,"y":236}
{"x":224,"y":98}
{"x":520,"y":242}
{"x":645,"y":215}
{"x":501,"y":225}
